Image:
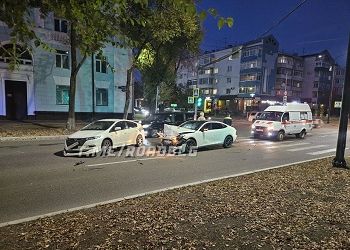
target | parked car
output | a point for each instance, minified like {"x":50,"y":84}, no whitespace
{"x":154,"y":124}
{"x":106,"y":133}
{"x":198,"y":134}
{"x":252,"y":116}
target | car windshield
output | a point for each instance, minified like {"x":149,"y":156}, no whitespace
{"x":194,"y":125}
{"x":99,"y":125}
{"x":270,"y":116}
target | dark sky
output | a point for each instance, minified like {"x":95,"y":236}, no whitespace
{"x":317,"y":25}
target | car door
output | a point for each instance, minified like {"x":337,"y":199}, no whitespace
{"x":208,"y":135}
{"x":131,"y":132}
{"x":288,"y":125}
{"x":119,"y":137}
{"x":218,"y":132}
{"x":179,"y":119}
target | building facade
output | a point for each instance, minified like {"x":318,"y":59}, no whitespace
{"x":289,"y":77}
{"x":39,"y":87}
{"x":318,"y":78}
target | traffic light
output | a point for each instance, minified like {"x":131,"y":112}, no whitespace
{"x":207,"y":105}
{"x":199,"y":102}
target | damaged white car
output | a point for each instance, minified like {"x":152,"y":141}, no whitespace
{"x":196,"y":134}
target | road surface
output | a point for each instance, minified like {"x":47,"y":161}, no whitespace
{"x":36,"y":179}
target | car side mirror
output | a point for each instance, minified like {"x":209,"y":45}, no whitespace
{"x":117,"y":128}
{"x":204,"y":129}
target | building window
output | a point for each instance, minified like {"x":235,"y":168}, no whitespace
{"x":62,"y":94}
{"x":247,"y":90}
{"x":315,"y":84}
{"x":314,"y":94}
{"x":101,"y":97}
{"x":101,"y":64}
{"x":62,"y":59}
{"x":228,"y":91}
{"x":229,"y":68}
{"x":207,"y":71}
{"x":61,"y":25}
{"x":228,"y":79}
{"x":216,"y":70}
{"x":215,"y":91}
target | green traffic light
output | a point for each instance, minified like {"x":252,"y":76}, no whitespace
{"x":199,"y":102}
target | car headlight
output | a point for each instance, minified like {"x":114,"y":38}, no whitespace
{"x":146,"y":125}
{"x":93,"y":137}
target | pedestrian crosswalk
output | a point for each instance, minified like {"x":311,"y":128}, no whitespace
{"x":306,"y":147}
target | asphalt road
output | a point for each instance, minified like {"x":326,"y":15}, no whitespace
{"x":36,"y":179}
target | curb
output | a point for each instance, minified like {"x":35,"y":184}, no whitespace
{"x":33,"y":138}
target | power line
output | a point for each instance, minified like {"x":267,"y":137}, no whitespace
{"x":261,"y":36}
{"x":284,"y":18}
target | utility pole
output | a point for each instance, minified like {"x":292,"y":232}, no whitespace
{"x":339,"y":160}
{"x":196,"y":98}
{"x":331,"y":94}
{"x":157,"y":94}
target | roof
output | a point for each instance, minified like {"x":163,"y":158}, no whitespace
{"x":290,"y":107}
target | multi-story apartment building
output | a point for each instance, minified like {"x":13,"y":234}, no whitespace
{"x":317,"y":78}
{"x":290,"y":77}
{"x":258,"y":72}
{"x":39,"y":87}
{"x":218,"y":81}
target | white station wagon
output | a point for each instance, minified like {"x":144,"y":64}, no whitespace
{"x":106,"y":133}
{"x":198,"y":134}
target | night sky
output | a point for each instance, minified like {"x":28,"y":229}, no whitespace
{"x":317,"y":25}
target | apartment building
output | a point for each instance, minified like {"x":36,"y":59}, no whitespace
{"x":318,"y":75}
{"x":39,"y":87}
{"x":289,"y":77}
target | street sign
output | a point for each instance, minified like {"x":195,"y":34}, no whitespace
{"x":337,"y":104}
{"x":285,"y":93}
{"x":285,"y":98}
{"x":195,"y":92}
{"x":173,"y":105}
{"x":190,"y":100}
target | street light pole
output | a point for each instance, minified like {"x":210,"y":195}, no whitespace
{"x":339,"y":160}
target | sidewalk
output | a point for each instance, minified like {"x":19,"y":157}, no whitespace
{"x":303,"y":206}
{"x":34,"y":128}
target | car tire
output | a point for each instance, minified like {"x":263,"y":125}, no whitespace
{"x":301,"y":135}
{"x":228,"y":141}
{"x":106,"y":145}
{"x":280,"y":136}
{"x":190,"y":143}
{"x":139,"y":141}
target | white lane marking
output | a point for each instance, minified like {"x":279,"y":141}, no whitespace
{"x":324,"y":151}
{"x":127,"y":161}
{"x":306,"y":148}
{"x":153,"y":192}
{"x":289,"y":145}
{"x":265,"y":142}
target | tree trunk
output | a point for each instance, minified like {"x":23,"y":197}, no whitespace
{"x":127,"y":92}
{"x":73,"y":79}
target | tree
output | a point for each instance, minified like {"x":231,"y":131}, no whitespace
{"x":138,"y":24}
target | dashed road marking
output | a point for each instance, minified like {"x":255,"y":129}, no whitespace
{"x":306,"y":148}
{"x":288,"y":145}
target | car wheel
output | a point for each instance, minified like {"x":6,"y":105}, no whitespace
{"x":190,"y":144}
{"x":228,"y":141}
{"x":139,"y":141}
{"x":280,"y":136}
{"x":301,"y":135}
{"x":106,"y":145}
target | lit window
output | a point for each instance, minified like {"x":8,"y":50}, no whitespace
{"x":215,"y":91}
{"x":216,"y":70}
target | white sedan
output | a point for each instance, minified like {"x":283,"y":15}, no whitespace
{"x":199,"y":134}
{"x":103,"y":135}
